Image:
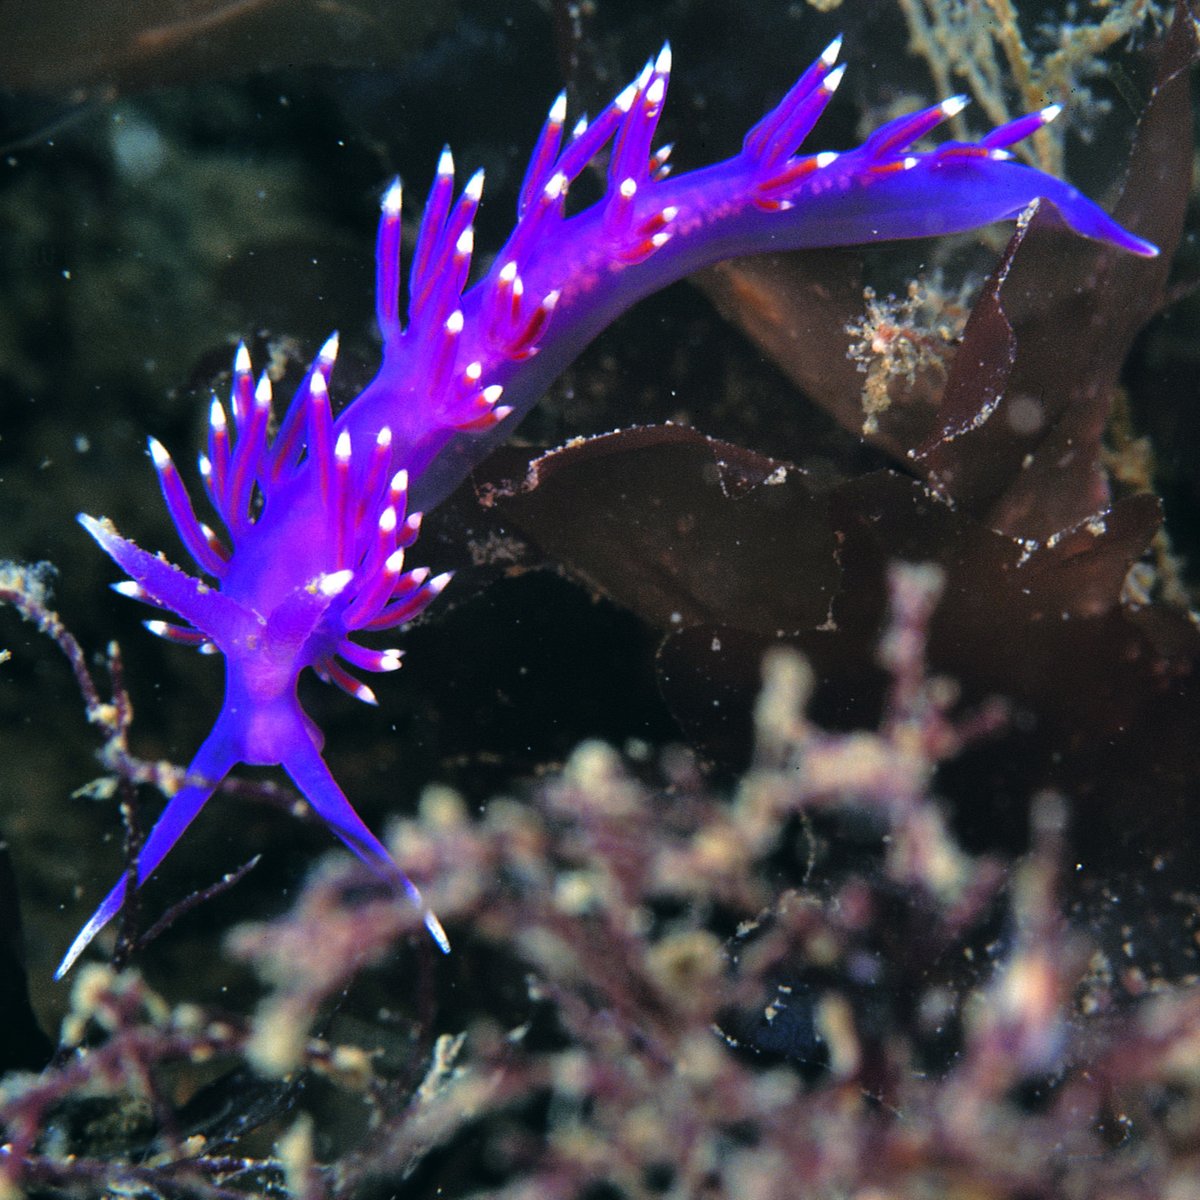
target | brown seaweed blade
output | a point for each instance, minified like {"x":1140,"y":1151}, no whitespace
{"x":1101,"y":698}
{"x":1030,"y":392}
{"x":681,"y":528}
{"x":726,"y":550}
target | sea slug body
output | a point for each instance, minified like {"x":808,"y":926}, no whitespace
{"x":317,"y":518}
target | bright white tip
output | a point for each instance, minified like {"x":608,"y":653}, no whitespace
{"x":241,"y":359}
{"x":518,"y":287}
{"x":910,"y":162}
{"x":129,"y":589}
{"x":644,"y":75}
{"x":445,"y":162}
{"x":341,"y":450}
{"x":400,"y":482}
{"x":210,"y":534}
{"x":465,"y":246}
{"x":1050,"y":112}
{"x":318,"y":387}
{"x":492,"y":393}
{"x":388,"y":519}
{"x":335,"y":582}
{"x":437,"y":932}
{"x":364,"y":693}
{"x":625,"y":100}
{"x":474,"y":188}
{"x":392,"y":199}
{"x":158,"y":628}
{"x":158,"y":453}
{"x":659,"y":240}
{"x":207,"y":648}
{"x":558,"y":110}
{"x":954,"y":105}
{"x":216,"y":416}
{"x":383,"y":439}
{"x":438,"y":582}
{"x":389,"y":660}
{"x":669,"y":213}
{"x":627,"y":188}
{"x":550,"y":299}
{"x":656,"y":91}
{"x":1000,"y":155}
{"x":205,"y":466}
{"x":473,"y":371}
{"x":328,"y":352}
{"x":580,"y":128}
{"x":556,"y":185}
{"x":454,"y":323}
{"x":505,"y":410}
{"x":831,"y":81}
{"x":826,"y":159}
{"x":508,"y":272}
{"x":262,"y":391}
{"x":830,"y":54}
{"x":395,"y":562}
{"x":662,"y":64}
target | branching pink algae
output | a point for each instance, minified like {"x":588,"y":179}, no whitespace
{"x":315,"y":518}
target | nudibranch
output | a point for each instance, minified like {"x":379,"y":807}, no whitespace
{"x":316,"y":516}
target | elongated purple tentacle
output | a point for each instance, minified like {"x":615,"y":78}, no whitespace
{"x":179,"y":505}
{"x":216,"y":615}
{"x":310,"y":774}
{"x":387,"y":265}
{"x":216,"y":757}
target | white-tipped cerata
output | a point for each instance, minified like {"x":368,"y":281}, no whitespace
{"x":830,"y":83}
{"x":328,"y":353}
{"x":393,"y":198}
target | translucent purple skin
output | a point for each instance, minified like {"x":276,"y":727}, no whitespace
{"x":318,"y":555}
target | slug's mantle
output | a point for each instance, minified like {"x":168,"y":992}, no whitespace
{"x":315,"y":519}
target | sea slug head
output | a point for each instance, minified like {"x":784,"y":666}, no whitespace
{"x":315,"y":560}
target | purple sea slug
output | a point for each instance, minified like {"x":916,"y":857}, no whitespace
{"x":316,"y":520}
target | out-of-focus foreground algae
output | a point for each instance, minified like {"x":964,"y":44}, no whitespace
{"x":804,"y":987}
